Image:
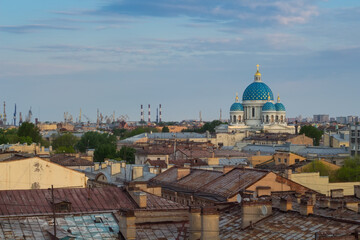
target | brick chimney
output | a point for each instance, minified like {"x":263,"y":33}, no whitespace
{"x":209,"y":223}
{"x":254,"y":211}
{"x":139,"y":197}
{"x":137,"y":171}
{"x":324,"y":202}
{"x":195,"y":223}
{"x":311,"y":195}
{"x":286,"y":203}
{"x":182,"y":172}
{"x":306,"y":207}
{"x":337,"y":193}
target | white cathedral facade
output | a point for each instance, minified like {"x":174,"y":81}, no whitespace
{"x":257,"y":111}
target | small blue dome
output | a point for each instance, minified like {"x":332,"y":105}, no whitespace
{"x":257,"y":91}
{"x":269,"y":106}
{"x":279,"y":107}
{"x":236,"y":107}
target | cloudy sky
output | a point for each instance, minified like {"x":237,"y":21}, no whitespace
{"x":188,"y":55}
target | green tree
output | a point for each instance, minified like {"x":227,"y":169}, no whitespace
{"x":321,"y":168}
{"x":65,"y":143}
{"x":350,"y":171}
{"x":28,"y":129}
{"x":313,"y":133}
{"x":92,"y":140}
{"x":104,"y":151}
{"x":127,"y":153}
{"x":138,"y":131}
{"x":165,"y":129}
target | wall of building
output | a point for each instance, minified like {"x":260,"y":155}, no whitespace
{"x":259,"y":159}
{"x":321,"y":183}
{"x":36,"y":173}
{"x":287,"y":158}
{"x":301,"y":139}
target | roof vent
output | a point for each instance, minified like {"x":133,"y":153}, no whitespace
{"x":98,"y":219}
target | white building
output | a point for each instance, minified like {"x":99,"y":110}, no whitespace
{"x":257,"y":111}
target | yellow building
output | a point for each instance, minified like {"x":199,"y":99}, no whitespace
{"x":287,"y":158}
{"x":321,"y":183}
{"x":37,"y":173}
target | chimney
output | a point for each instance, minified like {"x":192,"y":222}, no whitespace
{"x":336,"y":203}
{"x":182,"y":172}
{"x":96,"y":166}
{"x":149,"y":114}
{"x":103,"y":165}
{"x":142,"y":113}
{"x":286,"y":203}
{"x":115,"y":168}
{"x":254,"y":211}
{"x":324,"y":202}
{"x":227,"y":169}
{"x":337,"y":193}
{"x":311,"y":195}
{"x":167,"y":159}
{"x":137,"y":171}
{"x":127,"y":224}
{"x":357,"y":191}
{"x":306,"y":207}
{"x":288,"y":173}
{"x":139,"y":197}
{"x":160,"y":115}
{"x":195,"y":223}
{"x":297,"y":197}
{"x":209,"y":223}
{"x":263,"y":191}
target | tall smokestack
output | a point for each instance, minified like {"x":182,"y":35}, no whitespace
{"x":142,"y":114}
{"x":157,"y":115}
{"x":160,"y":113}
{"x":149,"y":114}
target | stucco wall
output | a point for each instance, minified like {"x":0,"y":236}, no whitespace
{"x":321,"y":184}
{"x":36,"y":173}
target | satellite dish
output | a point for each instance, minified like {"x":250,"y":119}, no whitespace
{"x":238,"y":198}
{"x":264,"y":210}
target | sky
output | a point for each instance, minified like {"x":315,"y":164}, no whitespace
{"x":189,"y":56}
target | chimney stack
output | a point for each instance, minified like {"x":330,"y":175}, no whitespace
{"x":149,"y":114}
{"x":142,"y":114}
{"x":160,"y":113}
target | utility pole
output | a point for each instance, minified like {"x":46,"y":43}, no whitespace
{"x":53,"y":208}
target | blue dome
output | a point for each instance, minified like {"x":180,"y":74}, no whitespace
{"x":236,"y":107}
{"x":269,"y":106}
{"x":279,"y":107}
{"x":257,"y":91}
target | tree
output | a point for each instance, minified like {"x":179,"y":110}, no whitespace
{"x":313,"y":133}
{"x":28,"y":129}
{"x":65,"y":143}
{"x":350,"y":171}
{"x":104,"y":151}
{"x":165,"y":129}
{"x":128,"y":154}
{"x":92,"y":140}
{"x":321,"y":168}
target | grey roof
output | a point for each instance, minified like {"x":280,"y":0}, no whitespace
{"x":80,"y":226}
{"x":298,"y":149}
{"x":233,"y":161}
{"x":180,"y":135}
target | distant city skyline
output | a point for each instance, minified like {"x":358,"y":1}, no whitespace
{"x":189,"y":56}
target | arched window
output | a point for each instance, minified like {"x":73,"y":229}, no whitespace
{"x":239,"y":118}
{"x":253,"y":112}
{"x":267,"y":118}
{"x":272,"y":118}
{"x":277,"y":118}
{"x":282,"y":118}
{"x":234,"y":119}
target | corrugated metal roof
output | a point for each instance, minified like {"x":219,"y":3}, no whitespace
{"x":22,"y":202}
{"x":161,"y":231}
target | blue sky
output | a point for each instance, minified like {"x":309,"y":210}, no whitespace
{"x":190,"y":56}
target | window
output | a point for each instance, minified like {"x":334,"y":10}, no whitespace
{"x":253,"y":112}
{"x":297,"y":160}
{"x":285,"y":160}
{"x":234,"y":119}
{"x":279,"y":160}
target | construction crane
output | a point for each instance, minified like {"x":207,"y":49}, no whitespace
{"x":87,"y":118}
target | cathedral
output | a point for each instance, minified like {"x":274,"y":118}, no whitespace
{"x":257,"y":111}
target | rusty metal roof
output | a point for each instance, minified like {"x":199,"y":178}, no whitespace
{"x":29,"y":202}
{"x":158,"y":203}
{"x":66,"y":160}
{"x":234,"y":181}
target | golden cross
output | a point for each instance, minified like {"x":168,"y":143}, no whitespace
{"x":257,"y":66}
